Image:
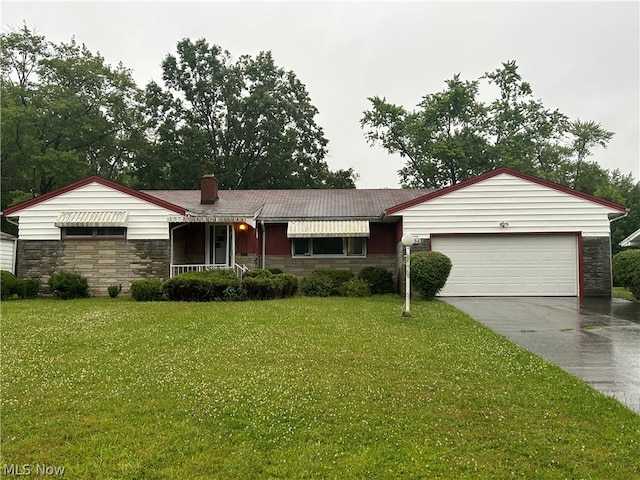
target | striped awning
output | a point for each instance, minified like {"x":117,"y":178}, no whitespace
{"x":91,"y":219}
{"x":328,"y":228}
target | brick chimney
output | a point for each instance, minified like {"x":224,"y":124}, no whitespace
{"x":208,"y":189}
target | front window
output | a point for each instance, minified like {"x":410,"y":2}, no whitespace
{"x":330,"y":246}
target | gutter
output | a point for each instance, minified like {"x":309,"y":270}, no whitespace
{"x":611,"y":220}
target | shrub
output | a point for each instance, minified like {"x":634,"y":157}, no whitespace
{"x":380,"y":280}
{"x":67,"y":285}
{"x":146,"y":290}
{"x":234,"y":293}
{"x":429,"y":272}
{"x":114,"y":290}
{"x":624,"y":264}
{"x":29,"y":287}
{"x":317,"y":286}
{"x":626,"y":270}
{"x":291,"y":285}
{"x":265,"y":285}
{"x":206,"y":286}
{"x":257,"y":272}
{"x":8,"y":285}
{"x":12,"y":287}
{"x":634,"y":284}
{"x":260,"y":285}
{"x":325,"y":282}
{"x":355,"y":288}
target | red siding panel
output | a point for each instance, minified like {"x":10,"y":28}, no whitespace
{"x":382,"y":238}
{"x":277,"y":242}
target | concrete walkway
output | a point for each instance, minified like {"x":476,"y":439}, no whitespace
{"x":597,"y":340}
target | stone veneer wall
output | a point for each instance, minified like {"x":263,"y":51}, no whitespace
{"x":596,"y":267}
{"x":251,"y":260}
{"x":304,"y":266}
{"x":102,"y":262}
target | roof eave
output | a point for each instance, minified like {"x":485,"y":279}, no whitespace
{"x":86,"y":181}
{"x":615,"y":207}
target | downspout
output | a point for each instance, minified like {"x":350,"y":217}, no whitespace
{"x":14,"y":254}
{"x":264,"y":249}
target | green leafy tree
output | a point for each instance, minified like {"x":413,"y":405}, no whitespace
{"x":523,"y":134}
{"x":453,"y":136}
{"x":441,"y":141}
{"x":624,"y":190}
{"x":66,"y":114}
{"x":586,"y":136}
{"x":248,"y":121}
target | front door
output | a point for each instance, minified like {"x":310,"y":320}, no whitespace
{"x":219,"y":251}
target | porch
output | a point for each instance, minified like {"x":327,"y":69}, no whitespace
{"x":209,"y":245}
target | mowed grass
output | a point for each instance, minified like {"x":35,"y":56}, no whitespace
{"x":298,"y":388}
{"x":622,"y":292}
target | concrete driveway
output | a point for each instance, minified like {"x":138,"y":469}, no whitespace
{"x":595,"y":339}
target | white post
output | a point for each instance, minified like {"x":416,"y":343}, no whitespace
{"x":407,"y":241}
{"x":407,"y":282}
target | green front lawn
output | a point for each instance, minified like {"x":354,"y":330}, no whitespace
{"x":297,"y":388}
{"x":621,"y":292}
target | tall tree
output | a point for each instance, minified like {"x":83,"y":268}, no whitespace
{"x":65,"y":113}
{"x":248,"y":121}
{"x":453,"y":136}
{"x":442,"y":140}
{"x":586,"y":136}
{"x":624,"y":190}
{"x":523,"y":134}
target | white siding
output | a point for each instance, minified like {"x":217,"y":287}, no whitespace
{"x":526,"y":206}
{"x":7,"y":249}
{"x":145,"y":220}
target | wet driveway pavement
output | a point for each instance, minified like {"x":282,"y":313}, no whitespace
{"x":595,"y":339}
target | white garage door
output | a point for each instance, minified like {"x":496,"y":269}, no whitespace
{"x":510,"y":265}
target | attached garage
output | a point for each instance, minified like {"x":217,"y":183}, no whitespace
{"x":510,"y":265}
{"x":512,"y":234}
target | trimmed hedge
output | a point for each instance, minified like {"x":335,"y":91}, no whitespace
{"x":68,"y":285}
{"x":146,"y":290}
{"x":8,"y":284}
{"x":325,"y":282}
{"x":429,"y":272}
{"x":206,"y":286}
{"x":265,"y":285}
{"x":29,"y":287}
{"x":114,"y":290}
{"x":379,"y":279}
{"x":355,"y":287}
{"x":626,"y":271}
{"x":12,"y":287}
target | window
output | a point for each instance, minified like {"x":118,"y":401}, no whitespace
{"x":93,"y":232}
{"x":330,"y":246}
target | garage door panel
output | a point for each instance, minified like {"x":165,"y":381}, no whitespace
{"x":510,"y":265}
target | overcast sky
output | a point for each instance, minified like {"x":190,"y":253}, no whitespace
{"x":581,"y":58}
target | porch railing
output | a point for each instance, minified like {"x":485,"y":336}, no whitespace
{"x":178,"y":269}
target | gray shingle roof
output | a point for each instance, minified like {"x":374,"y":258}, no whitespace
{"x":274,"y":205}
